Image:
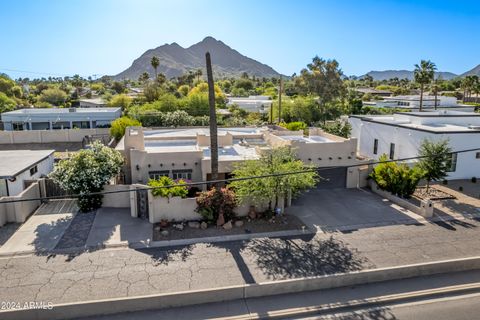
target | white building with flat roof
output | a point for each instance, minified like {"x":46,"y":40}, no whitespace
{"x":59,"y":118}
{"x":18,"y":166}
{"x":185,"y":152}
{"x":412,"y":102}
{"x":259,"y":104}
{"x":401,"y":134}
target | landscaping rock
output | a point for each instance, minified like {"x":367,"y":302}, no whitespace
{"x":157,"y":228}
{"x":220,"y":220}
{"x":179,"y":226}
{"x":194,"y":224}
{"x":203,"y":225}
{"x":228,"y":225}
{"x":164,"y":233}
{"x":239,"y":223}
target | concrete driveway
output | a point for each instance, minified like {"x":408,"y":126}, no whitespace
{"x":348,"y":209}
{"x":115,"y":226}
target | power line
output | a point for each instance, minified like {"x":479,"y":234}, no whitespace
{"x":191,"y":184}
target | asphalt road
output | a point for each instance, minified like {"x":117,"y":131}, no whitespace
{"x":448,"y":308}
{"x":458,"y":308}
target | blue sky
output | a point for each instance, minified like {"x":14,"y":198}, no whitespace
{"x":64,"y":37}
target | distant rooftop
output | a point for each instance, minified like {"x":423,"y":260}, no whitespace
{"x":32,"y":111}
{"x":14,"y":162}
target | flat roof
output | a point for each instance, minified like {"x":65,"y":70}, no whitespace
{"x":234,"y":152}
{"x":171,"y":145}
{"x":435,"y":127}
{"x":309,"y":139}
{"x":14,"y":162}
{"x":192,"y":132}
{"x":34,"y":111}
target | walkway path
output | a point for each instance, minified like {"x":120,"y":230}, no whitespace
{"x":127,"y":272}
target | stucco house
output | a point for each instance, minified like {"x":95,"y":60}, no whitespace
{"x":401,"y":134}
{"x":19,"y":166}
{"x":185,"y":152}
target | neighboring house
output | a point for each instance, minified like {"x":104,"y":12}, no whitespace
{"x":401,"y":134}
{"x":185,"y":153}
{"x":252,"y":103}
{"x":412,"y":102}
{"x":19,"y":166}
{"x":59,"y":118}
{"x":374,"y":92}
{"x":92,"y":103}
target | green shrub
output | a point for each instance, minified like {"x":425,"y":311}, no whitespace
{"x":117,"y":130}
{"x":210,"y":203}
{"x":176,"y":191}
{"x":397,"y":178}
{"x":294,"y":126}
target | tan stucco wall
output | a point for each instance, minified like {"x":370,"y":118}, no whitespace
{"x":47,"y":136}
{"x":116,"y":200}
{"x":180,"y":160}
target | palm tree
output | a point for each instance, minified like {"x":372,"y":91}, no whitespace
{"x":424,"y":74}
{"x":213,"y":119}
{"x":198,"y":73}
{"x":435,"y":88}
{"x":155,"y":62}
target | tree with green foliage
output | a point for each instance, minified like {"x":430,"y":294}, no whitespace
{"x":424,"y":74}
{"x":276,"y":161}
{"x":117,"y":129}
{"x":155,"y":62}
{"x":396,"y":178}
{"x":338,"y":128}
{"x":53,"y":96}
{"x":120,"y":101}
{"x":86,"y":172}
{"x":436,"y":160}
{"x":6,"y":103}
{"x":294,"y":126}
{"x":323,"y":78}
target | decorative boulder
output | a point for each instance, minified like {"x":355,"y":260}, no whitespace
{"x":203,"y":225}
{"x":194,"y":224}
{"x":239,"y":223}
{"x":228,"y":225}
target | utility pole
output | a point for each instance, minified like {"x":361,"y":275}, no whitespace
{"x":280,"y":101}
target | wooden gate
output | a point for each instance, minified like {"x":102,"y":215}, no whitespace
{"x":142,"y":204}
{"x":53,"y":190}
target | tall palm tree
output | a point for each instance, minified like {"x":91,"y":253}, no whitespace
{"x":155,"y":62}
{"x":213,"y":119}
{"x":424,"y":74}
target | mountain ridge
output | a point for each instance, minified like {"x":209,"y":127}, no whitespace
{"x":402,"y":74}
{"x":176,"y":60}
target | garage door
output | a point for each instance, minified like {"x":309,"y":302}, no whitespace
{"x":332,"y":178}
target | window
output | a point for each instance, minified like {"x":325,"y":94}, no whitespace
{"x":375,"y":146}
{"x":17,"y":126}
{"x":392,"y":151}
{"x":477,"y":155}
{"x":452,"y":162}
{"x":33,"y":170}
{"x":81,"y":124}
{"x":158,"y":174}
{"x":182,"y":174}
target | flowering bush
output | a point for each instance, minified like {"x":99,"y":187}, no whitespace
{"x":87,"y":172}
{"x":176,"y":191}
{"x":211,"y":203}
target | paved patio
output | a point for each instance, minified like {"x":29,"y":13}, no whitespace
{"x":341,"y":209}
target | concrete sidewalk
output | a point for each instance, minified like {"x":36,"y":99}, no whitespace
{"x":123,"y":272}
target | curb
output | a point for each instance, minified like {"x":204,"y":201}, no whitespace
{"x":180,"y":299}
